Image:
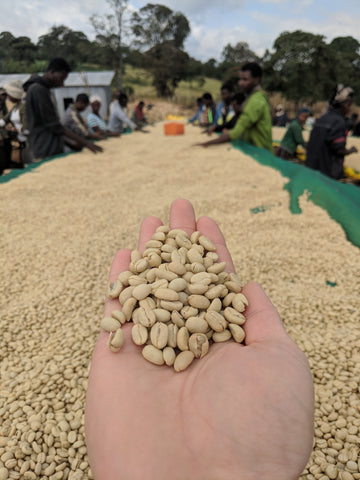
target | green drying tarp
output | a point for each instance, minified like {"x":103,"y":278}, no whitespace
{"x":16,"y":172}
{"x":340,"y":200}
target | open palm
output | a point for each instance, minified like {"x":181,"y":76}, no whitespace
{"x":241,"y":412}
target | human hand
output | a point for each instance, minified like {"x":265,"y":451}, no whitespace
{"x":10,"y":127}
{"x":353,"y":150}
{"x":242,"y":411}
{"x":93,"y":147}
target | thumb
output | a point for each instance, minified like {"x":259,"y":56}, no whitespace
{"x":263,"y":323}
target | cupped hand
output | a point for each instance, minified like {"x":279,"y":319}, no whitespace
{"x":240,"y":412}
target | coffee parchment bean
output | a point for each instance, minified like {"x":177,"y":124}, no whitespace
{"x":183,"y":339}
{"x":233,"y":316}
{"x":237,"y":332}
{"x":216,"y":321}
{"x":153,"y":355}
{"x":199,"y":344}
{"x":114,"y":289}
{"x":109,"y":324}
{"x":199,"y":301}
{"x":159,"y":334}
{"x":139,"y":334}
{"x":221,"y":336}
{"x":197,"y":325}
{"x":169,"y":356}
{"x":183,"y":360}
{"x":116,"y":340}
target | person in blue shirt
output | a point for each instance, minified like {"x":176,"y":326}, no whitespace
{"x":95,"y":122}
{"x":196,"y":118}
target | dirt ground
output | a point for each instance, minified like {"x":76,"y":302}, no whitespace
{"x":64,"y":221}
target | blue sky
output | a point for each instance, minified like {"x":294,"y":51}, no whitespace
{"x":213,"y":23}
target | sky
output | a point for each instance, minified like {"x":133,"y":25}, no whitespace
{"x":214,"y":24}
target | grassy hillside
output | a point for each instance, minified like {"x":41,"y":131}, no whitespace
{"x":186,"y":94}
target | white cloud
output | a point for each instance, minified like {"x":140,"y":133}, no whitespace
{"x":213,"y":23}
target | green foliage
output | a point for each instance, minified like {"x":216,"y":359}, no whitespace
{"x":111,"y":30}
{"x":168,"y":65}
{"x":67,"y":43}
{"x":155,"y":24}
{"x":303,"y":67}
{"x":235,"y":56}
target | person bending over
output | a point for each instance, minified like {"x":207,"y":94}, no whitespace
{"x":293,"y":136}
{"x":209,"y":111}
{"x":138,"y":115}
{"x":73,"y":120}
{"x":236,"y":106}
{"x":96,"y":124}
{"x":224,"y":111}
{"x":254,"y":125}
{"x":119,"y":119}
{"x":195,"y":120}
{"x":326,"y":148}
{"x":47,"y":134}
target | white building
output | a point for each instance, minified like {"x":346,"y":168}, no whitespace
{"x":91,"y":83}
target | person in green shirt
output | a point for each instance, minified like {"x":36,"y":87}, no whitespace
{"x":293,"y":136}
{"x":254,"y":125}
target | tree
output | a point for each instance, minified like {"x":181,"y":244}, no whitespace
{"x":211,"y":68}
{"x":62,"y":41}
{"x":156,"y":24}
{"x":347,"y":66}
{"x":168,"y":65}
{"x":238,"y":54}
{"x":112,"y":29}
{"x":23,"y":50}
{"x":6,"y":39}
{"x":301,"y":67}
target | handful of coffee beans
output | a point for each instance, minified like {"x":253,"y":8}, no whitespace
{"x":179,"y":298}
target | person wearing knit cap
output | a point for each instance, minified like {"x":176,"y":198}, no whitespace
{"x":326,"y":149}
{"x":293,"y":136}
{"x":95,"y":122}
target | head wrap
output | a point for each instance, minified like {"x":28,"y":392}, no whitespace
{"x":342,"y":94}
{"x":14,"y":89}
{"x":95,"y":98}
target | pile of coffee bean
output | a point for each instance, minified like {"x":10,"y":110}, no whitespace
{"x":179,"y":297}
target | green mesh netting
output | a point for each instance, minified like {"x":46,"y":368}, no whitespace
{"x":16,"y":172}
{"x":341,"y":201}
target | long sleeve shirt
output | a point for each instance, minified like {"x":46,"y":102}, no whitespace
{"x":46,"y":131}
{"x":119,"y":120}
{"x":254,"y":125}
{"x":293,"y":137}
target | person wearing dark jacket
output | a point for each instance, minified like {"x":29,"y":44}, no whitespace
{"x":47,"y":134}
{"x":327,"y":144}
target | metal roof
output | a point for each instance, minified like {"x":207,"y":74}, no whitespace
{"x":74,"y":79}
